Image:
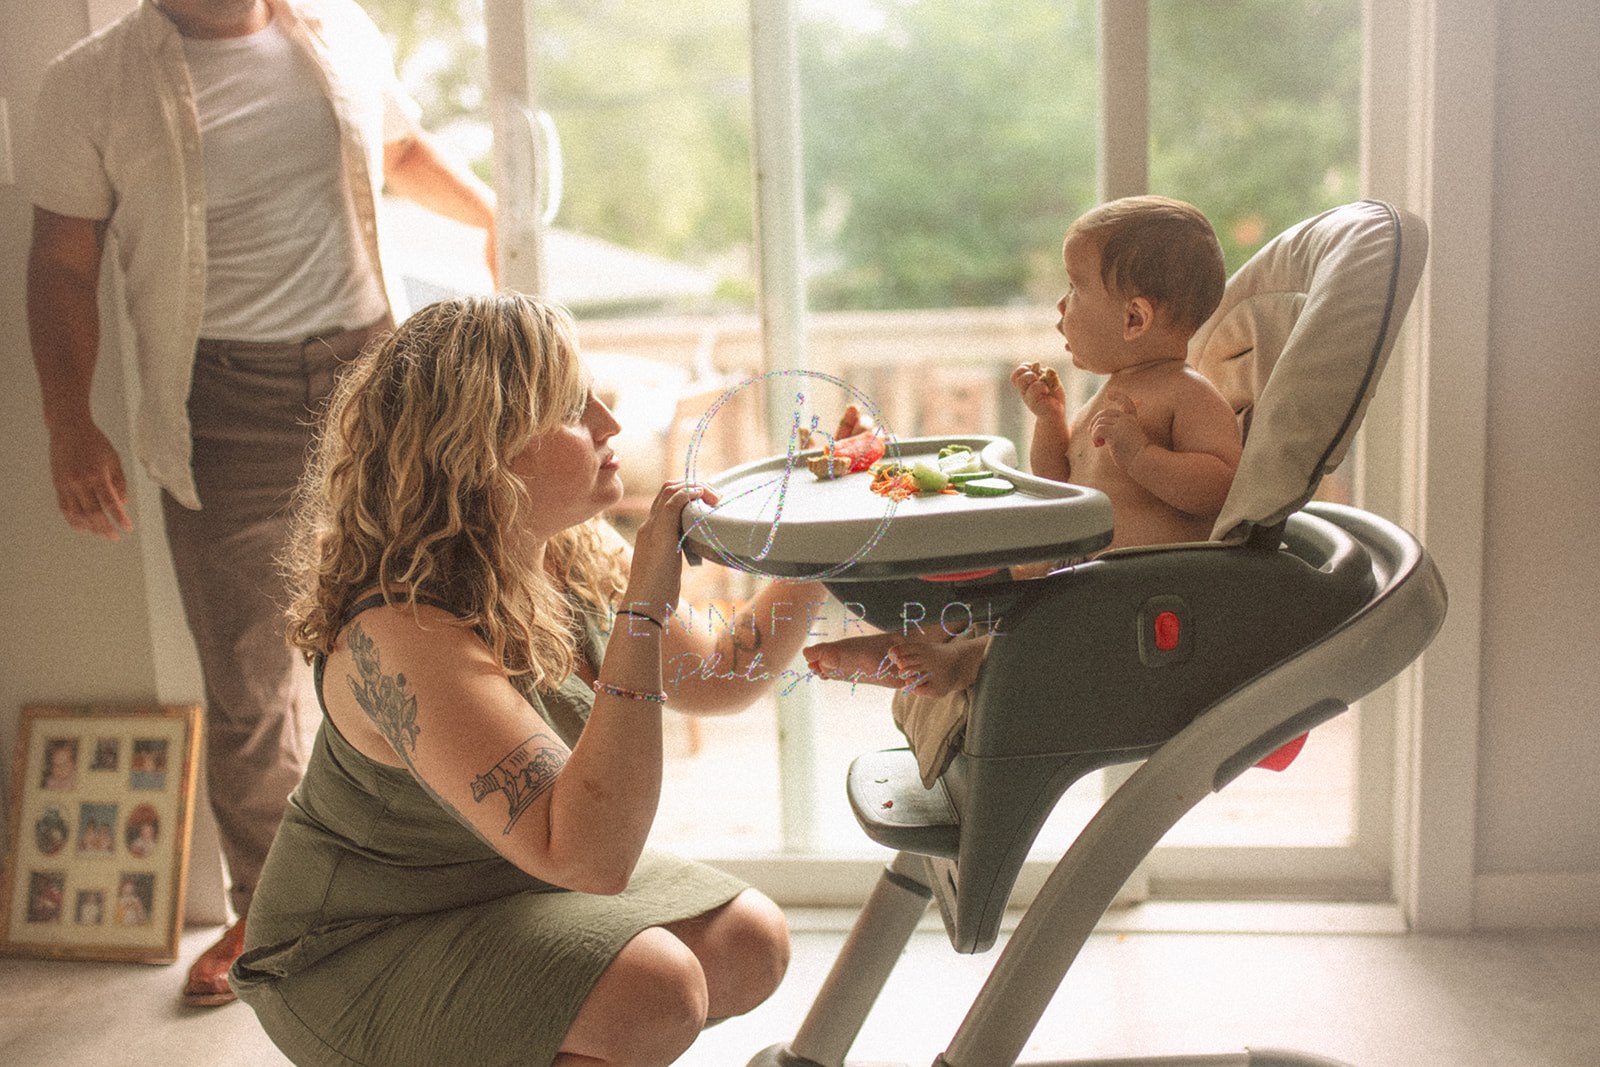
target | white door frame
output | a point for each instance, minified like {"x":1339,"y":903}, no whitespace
{"x":1429,"y":145}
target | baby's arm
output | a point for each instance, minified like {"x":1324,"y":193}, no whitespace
{"x":1194,"y":475}
{"x":1043,"y":395}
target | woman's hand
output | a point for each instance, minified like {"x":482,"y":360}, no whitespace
{"x":657,"y":570}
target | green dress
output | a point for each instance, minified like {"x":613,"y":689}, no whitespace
{"x":384,"y":932}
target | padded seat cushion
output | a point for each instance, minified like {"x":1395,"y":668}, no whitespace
{"x":1297,"y":346}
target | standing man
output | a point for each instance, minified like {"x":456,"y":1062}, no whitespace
{"x":234,"y":151}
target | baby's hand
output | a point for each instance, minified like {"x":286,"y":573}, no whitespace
{"x":1116,"y":425}
{"x":852,"y":422}
{"x":1041,"y":390}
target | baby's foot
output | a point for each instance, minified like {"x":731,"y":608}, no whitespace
{"x":854,"y":659}
{"x":938,"y":668}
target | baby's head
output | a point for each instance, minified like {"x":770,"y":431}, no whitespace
{"x":1158,"y":248}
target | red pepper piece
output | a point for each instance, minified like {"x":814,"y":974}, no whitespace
{"x":863,"y":449}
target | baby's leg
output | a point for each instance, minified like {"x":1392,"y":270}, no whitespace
{"x":855,"y":659}
{"x":939,"y":668}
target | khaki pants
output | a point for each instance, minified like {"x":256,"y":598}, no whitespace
{"x":253,"y":408}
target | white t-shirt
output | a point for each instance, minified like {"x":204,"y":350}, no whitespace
{"x":116,"y":139}
{"x":282,"y":259}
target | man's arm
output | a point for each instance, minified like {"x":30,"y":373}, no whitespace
{"x":64,"y":327}
{"x":416,"y":169}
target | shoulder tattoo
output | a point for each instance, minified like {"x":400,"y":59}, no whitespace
{"x":523,"y":775}
{"x":383,"y":696}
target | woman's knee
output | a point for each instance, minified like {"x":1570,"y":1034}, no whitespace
{"x":648,"y":1006}
{"x":744,"y":950}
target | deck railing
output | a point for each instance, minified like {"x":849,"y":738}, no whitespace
{"x":929,"y":372}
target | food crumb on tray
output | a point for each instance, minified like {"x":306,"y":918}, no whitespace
{"x":828,"y":466}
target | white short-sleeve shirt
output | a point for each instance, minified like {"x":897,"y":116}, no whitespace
{"x":117,"y":139}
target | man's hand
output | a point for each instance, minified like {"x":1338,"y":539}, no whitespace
{"x":90,"y":488}
{"x":64,"y":333}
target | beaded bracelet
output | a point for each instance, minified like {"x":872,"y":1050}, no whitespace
{"x":647,"y":618}
{"x":657,"y":697}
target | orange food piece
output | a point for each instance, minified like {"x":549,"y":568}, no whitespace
{"x":862,"y":449}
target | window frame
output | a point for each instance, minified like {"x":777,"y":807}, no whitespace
{"x":1421,"y":461}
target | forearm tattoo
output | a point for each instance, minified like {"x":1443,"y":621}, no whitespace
{"x":383,"y":696}
{"x":523,"y":775}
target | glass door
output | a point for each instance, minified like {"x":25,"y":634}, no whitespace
{"x":885,"y":184}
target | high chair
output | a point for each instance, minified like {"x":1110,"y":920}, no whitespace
{"x":1198,"y":660}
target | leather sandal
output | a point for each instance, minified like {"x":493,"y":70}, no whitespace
{"x":207,"y":986}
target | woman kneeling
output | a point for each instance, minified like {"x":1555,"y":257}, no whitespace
{"x":462,"y":876}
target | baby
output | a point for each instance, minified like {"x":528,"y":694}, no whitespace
{"x":1143,"y":274}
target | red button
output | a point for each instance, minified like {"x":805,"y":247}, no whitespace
{"x":1167,"y":631}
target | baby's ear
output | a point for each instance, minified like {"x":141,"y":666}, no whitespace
{"x":1138,"y":315}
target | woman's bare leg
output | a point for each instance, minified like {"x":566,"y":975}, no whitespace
{"x":743,"y":949}
{"x":646,"y":1009}
{"x":655,"y":998}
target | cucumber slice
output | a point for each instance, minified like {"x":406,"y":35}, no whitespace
{"x":928,"y":479}
{"x":969,"y":476}
{"x":960,"y":462}
{"x":988,"y":487}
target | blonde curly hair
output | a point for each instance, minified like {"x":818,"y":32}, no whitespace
{"x":410,"y":488}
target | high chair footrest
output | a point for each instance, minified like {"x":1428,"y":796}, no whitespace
{"x":894,"y":809}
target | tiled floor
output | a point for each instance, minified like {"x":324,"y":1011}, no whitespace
{"x":1373,"y":1000}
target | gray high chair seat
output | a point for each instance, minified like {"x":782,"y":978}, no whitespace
{"x":1198,"y":660}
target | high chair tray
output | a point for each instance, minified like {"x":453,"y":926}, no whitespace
{"x":777,"y":518}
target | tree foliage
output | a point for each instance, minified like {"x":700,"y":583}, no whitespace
{"x":947,"y":143}
{"x":946,"y":150}
{"x":652,"y":101}
{"x":439,"y":50}
{"x":1255,"y":111}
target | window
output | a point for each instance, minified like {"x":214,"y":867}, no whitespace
{"x":944,"y":145}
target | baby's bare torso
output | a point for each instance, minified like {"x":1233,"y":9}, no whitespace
{"x":1158,"y":393}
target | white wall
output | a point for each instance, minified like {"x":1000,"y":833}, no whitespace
{"x":84,"y":620}
{"x":87,"y":621}
{"x":1539,"y":769}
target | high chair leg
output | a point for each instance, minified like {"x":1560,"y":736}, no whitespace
{"x":875,"y":943}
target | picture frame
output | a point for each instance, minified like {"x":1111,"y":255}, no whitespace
{"x":101,"y":810}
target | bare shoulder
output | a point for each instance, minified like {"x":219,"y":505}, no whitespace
{"x":1158,"y":392}
{"x":394,"y":666}
{"x":1203,"y":417}
{"x":418,"y":636}
{"x":1194,"y":380}
{"x":1190,"y":394}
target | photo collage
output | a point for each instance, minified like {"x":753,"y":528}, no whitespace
{"x":95,"y":852}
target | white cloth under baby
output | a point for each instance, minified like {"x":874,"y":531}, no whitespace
{"x":934,"y":726}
